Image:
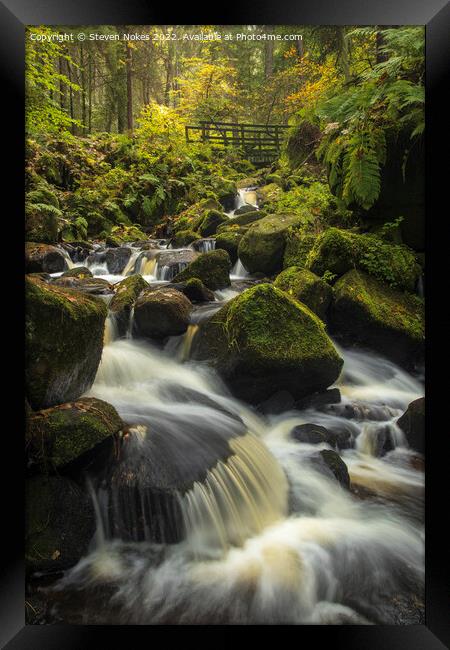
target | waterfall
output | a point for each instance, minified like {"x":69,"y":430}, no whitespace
{"x":239,"y":272}
{"x":245,"y":196}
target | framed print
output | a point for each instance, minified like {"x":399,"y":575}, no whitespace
{"x":231,"y":230}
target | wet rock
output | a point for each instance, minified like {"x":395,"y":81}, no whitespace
{"x":245,"y":209}
{"x":172,"y":262}
{"x":412,"y":423}
{"x":113,"y":241}
{"x":93,"y":286}
{"x":60,"y":523}
{"x":161,"y":313}
{"x":313,"y":434}
{"x":117,"y":259}
{"x":195,"y":290}
{"x":61,"y":434}
{"x":366,"y":312}
{"x":263,"y":341}
{"x":97,"y":257}
{"x":278,"y":403}
{"x":64,"y":341}
{"x":43,"y":258}
{"x":336,"y":467}
{"x":361,"y":411}
{"x":184,"y":238}
{"x":77,"y":272}
{"x":319,"y":400}
{"x":229,"y":242}
{"x":126,"y":294}
{"x":213,"y":269}
{"x":211,"y":221}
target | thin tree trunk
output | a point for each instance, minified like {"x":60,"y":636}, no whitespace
{"x":129,"y":60}
{"x":343,"y":53}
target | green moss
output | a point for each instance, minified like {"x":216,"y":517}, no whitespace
{"x":261,"y":249}
{"x":229,"y":241}
{"x":298,"y":245}
{"x":305,"y":286}
{"x":126,"y":295}
{"x":58,"y":435}
{"x":184,"y":238}
{"x":368,"y":312}
{"x":64,"y":339}
{"x":77,"y":272}
{"x":264,"y":340}
{"x":338,"y":251}
{"x":211,"y":221}
{"x":213,"y":269}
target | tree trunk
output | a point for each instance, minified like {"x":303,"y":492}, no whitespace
{"x":268,"y":59}
{"x":129,"y":88}
{"x":343,"y":53}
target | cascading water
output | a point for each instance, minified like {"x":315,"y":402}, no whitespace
{"x":245,"y":196}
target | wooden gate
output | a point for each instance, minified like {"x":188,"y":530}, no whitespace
{"x":260,"y":143}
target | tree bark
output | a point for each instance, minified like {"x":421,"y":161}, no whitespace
{"x":129,"y":60}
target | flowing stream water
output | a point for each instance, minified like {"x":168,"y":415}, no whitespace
{"x":246,"y":525}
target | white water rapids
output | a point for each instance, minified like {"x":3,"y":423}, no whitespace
{"x":268,"y":535}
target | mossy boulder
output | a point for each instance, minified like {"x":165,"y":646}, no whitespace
{"x":337,"y":251}
{"x":264,"y":341}
{"x":261,"y":249}
{"x":213,"y":269}
{"x":248,"y":217}
{"x":229,"y":242}
{"x":226,"y":191}
{"x":211,"y":221}
{"x":126,"y":294}
{"x":59,"y":523}
{"x":78,"y":272}
{"x":298,"y":245}
{"x":368,"y":313}
{"x":117,"y":259}
{"x":195,"y":290}
{"x":114,"y":241}
{"x":412,"y":423}
{"x":159,"y":313}
{"x":61,"y":434}
{"x":184,"y":238}
{"x":64,"y":341}
{"x":244,"y":209}
{"x":93,"y":286}
{"x":307,"y":287}
{"x":43,"y":258}
{"x":313,"y":434}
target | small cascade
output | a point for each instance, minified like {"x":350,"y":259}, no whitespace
{"x":166,"y":273}
{"x":239,"y":272}
{"x":204,"y":245}
{"x":111,"y":330}
{"x":68,"y":259}
{"x":130,"y":267}
{"x":238,"y":498}
{"x":245,"y":196}
{"x":186,"y":344}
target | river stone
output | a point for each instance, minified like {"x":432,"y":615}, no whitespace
{"x":213,"y":269}
{"x":77,"y":272}
{"x":195,"y":290}
{"x":172,"y":262}
{"x":307,"y":287}
{"x":184,"y":238}
{"x":412,"y":423}
{"x":263,"y":341}
{"x":64,"y":341}
{"x":261,"y":249}
{"x":117,"y":259}
{"x":60,"y":434}
{"x":245,"y":209}
{"x":123,"y":301}
{"x":229,"y":242}
{"x":93,"y":286}
{"x":159,"y":313}
{"x":313,"y":434}
{"x":60,"y":523}
{"x":366,"y":312}
{"x":43,"y":258}
{"x":211,"y":221}
{"x":335,"y":466}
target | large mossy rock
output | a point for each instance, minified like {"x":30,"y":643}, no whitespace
{"x":159,"y":313}
{"x":211,"y":221}
{"x":264,"y":341}
{"x":64,"y":341}
{"x":368,"y":313}
{"x":261,"y":249}
{"x":307,"y":287}
{"x":247,"y":217}
{"x":126,"y":294}
{"x":93,"y":286}
{"x":339,"y":251}
{"x":184,"y":238}
{"x":59,"y":523}
{"x":298,"y":245}
{"x":229,"y":242}
{"x":43,"y":258}
{"x":412,"y":423}
{"x":61,"y":434}
{"x":80,"y":272}
{"x":213,"y":269}
{"x":195,"y":290}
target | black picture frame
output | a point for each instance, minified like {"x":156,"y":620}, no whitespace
{"x":435,"y":15}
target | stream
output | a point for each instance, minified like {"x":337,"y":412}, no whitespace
{"x":266,"y":534}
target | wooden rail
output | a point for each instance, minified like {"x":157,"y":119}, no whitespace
{"x":260,"y":143}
